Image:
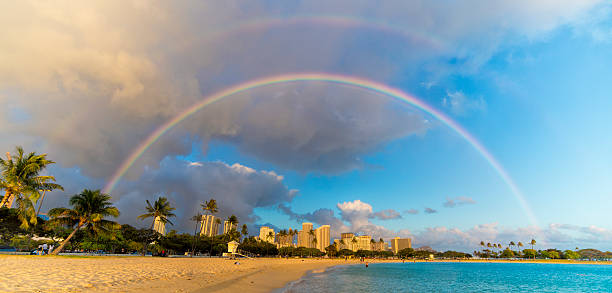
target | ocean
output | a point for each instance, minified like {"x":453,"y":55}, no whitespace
{"x":458,"y":277}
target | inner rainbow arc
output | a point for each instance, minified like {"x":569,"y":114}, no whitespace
{"x":330,"y":78}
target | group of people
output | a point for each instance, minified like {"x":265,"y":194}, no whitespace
{"x":44,"y":249}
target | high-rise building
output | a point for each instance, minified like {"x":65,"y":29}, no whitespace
{"x":228,"y":227}
{"x":159,"y":227}
{"x":264,"y":232}
{"x":398,"y":244}
{"x":209,"y":227}
{"x":363,"y":243}
{"x":304,"y":236}
{"x":347,"y":239}
{"x":322,"y":236}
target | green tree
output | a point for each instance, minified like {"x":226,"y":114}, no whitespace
{"x":406,"y":252}
{"x":244,"y":231}
{"x":507,"y":253}
{"x":21,"y":182}
{"x":570,"y":254}
{"x":89,"y":208}
{"x":210,"y":208}
{"x":529,"y":253}
{"x":270,"y":238}
{"x":233,"y":223}
{"x":160,"y":209}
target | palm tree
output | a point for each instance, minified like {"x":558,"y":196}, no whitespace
{"x":233,"y":222}
{"x":372,"y":242}
{"x":311,"y":233}
{"x":210,"y":207}
{"x":244,"y":231}
{"x":341,"y":243}
{"x":89,"y":208}
{"x":511,"y":244}
{"x":270,"y":237}
{"x":533,"y":243}
{"x":519,"y":245}
{"x":354,"y":241}
{"x":160,"y":209}
{"x":21,"y":181}
{"x":196,"y":218}
{"x":45,"y":186}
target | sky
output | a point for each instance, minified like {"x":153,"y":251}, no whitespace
{"x":88,"y":83}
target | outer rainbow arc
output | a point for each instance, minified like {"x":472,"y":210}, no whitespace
{"x":330,"y":78}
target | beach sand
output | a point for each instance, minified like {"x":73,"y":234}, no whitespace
{"x":149,"y":274}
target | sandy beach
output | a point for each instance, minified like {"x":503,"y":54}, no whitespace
{"x":147,"y":274}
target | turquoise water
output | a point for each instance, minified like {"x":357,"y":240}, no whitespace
{"x":458,"y":277}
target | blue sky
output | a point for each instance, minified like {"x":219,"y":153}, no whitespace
{"x":531,"y":81}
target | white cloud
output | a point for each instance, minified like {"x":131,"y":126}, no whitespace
{"x":458,"y":201}
{"x":459,"y":104}
{"x":430,"y":211}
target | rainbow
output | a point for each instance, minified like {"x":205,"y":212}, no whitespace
{"x":365,"y":84}
{"x":345,"y":22}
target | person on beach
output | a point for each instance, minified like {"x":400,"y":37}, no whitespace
{"x":45,"y":248}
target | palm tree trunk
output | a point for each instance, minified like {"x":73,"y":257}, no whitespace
{"x":57,"y":250}
{"x":41,"y":201}
{"x":5,"y":199}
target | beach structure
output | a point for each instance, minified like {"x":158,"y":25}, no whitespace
{"x":227,"y":226}
{"x":232,"y":247}
{"x":264,"y":231}
{"x":322,"y":235}
{"x":304,"y":236}
{"x":158,"y":226}
{"x":398,"y":244}
{"x":209,"y":227}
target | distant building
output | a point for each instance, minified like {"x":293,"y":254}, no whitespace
{"x":379,"y":246}
{"x":347,"y":238}
{"x":304,"y":236}
{"x":227,"y":227}
{"x":284,"y":240}
{"x":263,"y":234}
{"x":398,"y":244}
{"x":210,"y":227}
{"x":363,"y":243}
{"x":159,"y":227}
{"x":322,"y":236}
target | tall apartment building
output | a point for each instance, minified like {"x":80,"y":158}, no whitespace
{"x":398,"y":244}
{"x":209,"y":227}
{"x":264,"y":232}
{"x":304,"y":237}
{"x":228,"y":227}
{"x":159,"y":227}
{"x":322,"y":235}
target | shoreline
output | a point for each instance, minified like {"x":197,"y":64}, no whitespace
{"x":147,"y":274}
